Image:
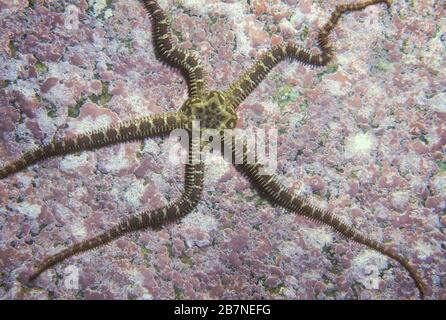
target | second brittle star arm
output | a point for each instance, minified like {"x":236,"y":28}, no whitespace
{"x":186,"y":61}
{"x":152,"y":125}
{"x":153,"y":219}
{"x":269,"y":186}
{"x":244,"y":85}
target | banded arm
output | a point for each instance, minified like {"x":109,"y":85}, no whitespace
{"x":186,"y":61}
{"x":244,"y":85}
{"x":126,"y":131}
{"x":269,"y":186}
{"x":153,"y":219}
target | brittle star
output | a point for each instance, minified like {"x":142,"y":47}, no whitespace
{"x":214,"y":110}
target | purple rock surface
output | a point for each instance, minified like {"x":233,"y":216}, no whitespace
{"x":364,"y":137}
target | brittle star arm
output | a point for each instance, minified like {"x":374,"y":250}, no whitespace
{"x":269,"y":186}
{"x":153,"y":219}
{"x":141,"y":128}
{"x":244,"y":85}
{"x":186,"y":61}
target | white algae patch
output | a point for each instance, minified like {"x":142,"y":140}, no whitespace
{"x":204,"y":223}
{"x":400,"y":199}
{"x":439,"y":102}
{"x":99,"y":6}
{"x":334,"y":87}
{"x":71,"y":18}
{"x":46,"y":124}
{"x":359,"y":145}
{"x":134,"y":193}
{"x":439,"y":182}
{"x":289,"y":248}
{"x":24,"y":179}
{"x":72,"y":162}
{"x":30,"y":210}
{"x":88,"y":123}
{"x":78,"y":230}
{"x":117,"y":162}
{"x":10,"y":71}
{"x":200,"y":221}
{"x":424,"y":250}
{"x":367,"y":268}
{"x":316,"y":237}
{"x":146,"y":296}
{"x":139,"y":105}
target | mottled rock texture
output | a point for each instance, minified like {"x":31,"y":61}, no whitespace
{"x":364,"y":137}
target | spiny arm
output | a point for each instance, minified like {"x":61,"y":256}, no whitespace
{"x":269,"y":186}
{"x":153,"y":219}
{"x":244,"y":85}
{"x":186,"y":61}
{"x":126,"y":131}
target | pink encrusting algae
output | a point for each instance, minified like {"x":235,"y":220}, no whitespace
{"x":364,"y":137}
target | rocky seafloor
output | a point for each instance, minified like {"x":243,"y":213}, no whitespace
{"x":364,"y":137}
